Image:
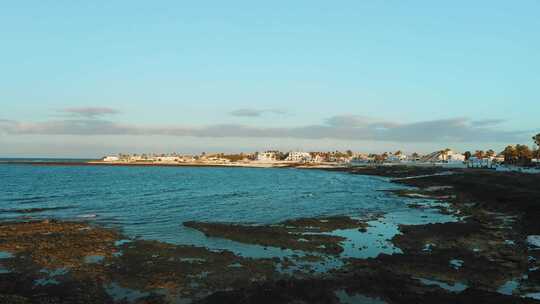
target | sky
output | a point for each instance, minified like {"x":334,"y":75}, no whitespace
{"x":91,"y":78}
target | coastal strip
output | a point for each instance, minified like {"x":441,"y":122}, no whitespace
{"x":489,"y":256}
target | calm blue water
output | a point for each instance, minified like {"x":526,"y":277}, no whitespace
{"x":45,"y":160}
{"x":152,"y":202}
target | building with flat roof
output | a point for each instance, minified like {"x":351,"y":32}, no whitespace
{"x":298,"y":157}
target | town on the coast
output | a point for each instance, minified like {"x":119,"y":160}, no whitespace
{"x":513,"y":157}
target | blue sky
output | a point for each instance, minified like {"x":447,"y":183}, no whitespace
{"x":86,"y":79}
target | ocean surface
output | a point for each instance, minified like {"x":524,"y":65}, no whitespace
{"x":153,"y":202}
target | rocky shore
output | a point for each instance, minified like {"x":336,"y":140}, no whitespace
{"x":489,"y":256}
{"x":484,"y":258}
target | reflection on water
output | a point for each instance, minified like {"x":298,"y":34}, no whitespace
{"x":94,"y":259}
{"x":50,"y":276}
{"x":509,"y":287}
{"x":345,"y":298}
{"x":456,"y":287}
{"x":371,"y":243}
{"x":119,"y":293}
{"x":532,"y":295}
{"x":456,"y":263}
{"x":5,"y":255}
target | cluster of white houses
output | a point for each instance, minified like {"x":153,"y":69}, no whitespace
{"x":160,"y":158}
{"x":444,"y":157}
{"x":303,"y":157}
{"x":262,"y":157}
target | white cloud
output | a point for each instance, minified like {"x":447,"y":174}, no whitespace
{"x":90,"y":112}
{"x":255,"y":112}
{"x":337,"y":127}
{"x":487,"y":122}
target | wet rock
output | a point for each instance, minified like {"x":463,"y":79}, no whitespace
{"x":300,"y":234}
{"x":53,"y":244}
{"x":187,"y":270}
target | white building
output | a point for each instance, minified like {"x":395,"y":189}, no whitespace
{"x":267,"y":156}
{"x":360,"y":162}
{"x":318,"y":158}
{"x":475,"y":162}
{"x":415,"y":157}
{"x":456,"y":157}
{"x":340,"y":159}
{"x":396,"y":158}
{"x":445,"y":156}
{"x":137,"y":158}
{"x":298,"y":157}
{"x":216,"y":160}
{"x":499,"y":159}
{"x":111,"y":158}
{"x":186,"y":158}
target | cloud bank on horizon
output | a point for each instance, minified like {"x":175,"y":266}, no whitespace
{"x":91,"y":121}
{"x":89,"y":112}
{"x":256,"y":112}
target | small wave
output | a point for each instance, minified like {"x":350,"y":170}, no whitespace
{"x":87,"y":215}
{"x":163,"y":191}
{"x":35,"y":210}
{"x":32,"y":199}
{"x":338,"y":192}
{"x":224,"y":195}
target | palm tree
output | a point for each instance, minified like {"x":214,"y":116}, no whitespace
{"x":536,"y":153}
{"x":510,"y":154}
{"x":479,"y":154}
{"x":536,"y":139}
{"x":524,"y":154}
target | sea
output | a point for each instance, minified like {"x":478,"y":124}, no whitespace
{"x":153,"y":202}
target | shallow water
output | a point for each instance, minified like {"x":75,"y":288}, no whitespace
{"x":4,"y":255}
{"x":456,"y":287}
{"x":119,"y":293}
{"x":345,"y":298}
{"x":152,"y":202}
{"x":509,"y":287}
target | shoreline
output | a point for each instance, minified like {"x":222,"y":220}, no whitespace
{"x":191,"y":164}
{"x":476,"y":256}
{"x":368,"y":169}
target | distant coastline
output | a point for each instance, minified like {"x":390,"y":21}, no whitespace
{"x":76,"y":162}
{"x":252,"y":164}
